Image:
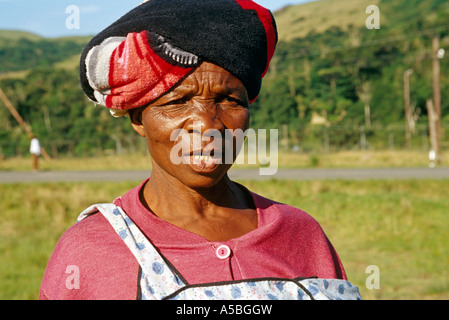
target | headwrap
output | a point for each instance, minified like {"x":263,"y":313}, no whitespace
{"x":153,"y":47}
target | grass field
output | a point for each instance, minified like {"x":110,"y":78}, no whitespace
{"x":399,"y":226}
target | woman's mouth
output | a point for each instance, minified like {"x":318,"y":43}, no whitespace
{"x":204,"y":163}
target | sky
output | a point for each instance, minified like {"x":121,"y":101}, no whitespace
{"x":55,"y":18}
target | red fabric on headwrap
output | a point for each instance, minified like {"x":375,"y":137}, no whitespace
{"x":267,"y":21}
{"x":137,"y":75}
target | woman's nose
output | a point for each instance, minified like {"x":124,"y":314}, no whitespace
{"x":205,"y":117}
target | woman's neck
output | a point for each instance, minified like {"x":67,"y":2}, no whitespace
{"x":220,"y":212}
{"x":163,"y":190}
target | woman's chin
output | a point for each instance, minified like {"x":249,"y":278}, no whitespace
{"x":199,"y":173}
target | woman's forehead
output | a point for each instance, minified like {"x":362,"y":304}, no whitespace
{"x":210,"y":77}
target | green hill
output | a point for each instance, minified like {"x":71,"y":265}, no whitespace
{"x":21,"y":51}
{"x":14,"y":35}
{"x":319,"y":16}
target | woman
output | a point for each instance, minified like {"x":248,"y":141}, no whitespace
{"x":189,"y":232}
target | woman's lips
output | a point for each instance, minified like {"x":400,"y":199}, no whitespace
{"x":203,"y":163}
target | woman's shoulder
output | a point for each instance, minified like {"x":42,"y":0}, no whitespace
{"x":283,"y":210}
{"x":88,"y":238}
{"x":94,"y":250}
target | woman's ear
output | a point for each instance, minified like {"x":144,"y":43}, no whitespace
{"x":135,"y":115}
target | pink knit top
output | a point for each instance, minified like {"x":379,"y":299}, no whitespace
{"x":90,"y":260}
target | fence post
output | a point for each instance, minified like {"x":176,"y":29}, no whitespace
{"x":390,"y":140}
{"x":285,"y":137}
{"x":362,"y":139}
{"x":326,"y":140}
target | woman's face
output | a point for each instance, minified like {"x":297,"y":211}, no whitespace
{"x":189,"y":130}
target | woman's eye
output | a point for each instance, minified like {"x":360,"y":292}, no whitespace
{"x":231,"y":101}
{"x":174,"y":102}
{"x":178,"y":101}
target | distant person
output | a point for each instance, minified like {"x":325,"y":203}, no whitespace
{"x":188,"y":231}
{"x":35,"y":150}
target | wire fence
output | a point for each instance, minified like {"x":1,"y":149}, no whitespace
{"x":314,"y":139}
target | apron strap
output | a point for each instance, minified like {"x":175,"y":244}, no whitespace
{"x":157,"y":280}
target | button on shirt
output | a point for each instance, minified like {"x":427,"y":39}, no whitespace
{"x":223,"y":252}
